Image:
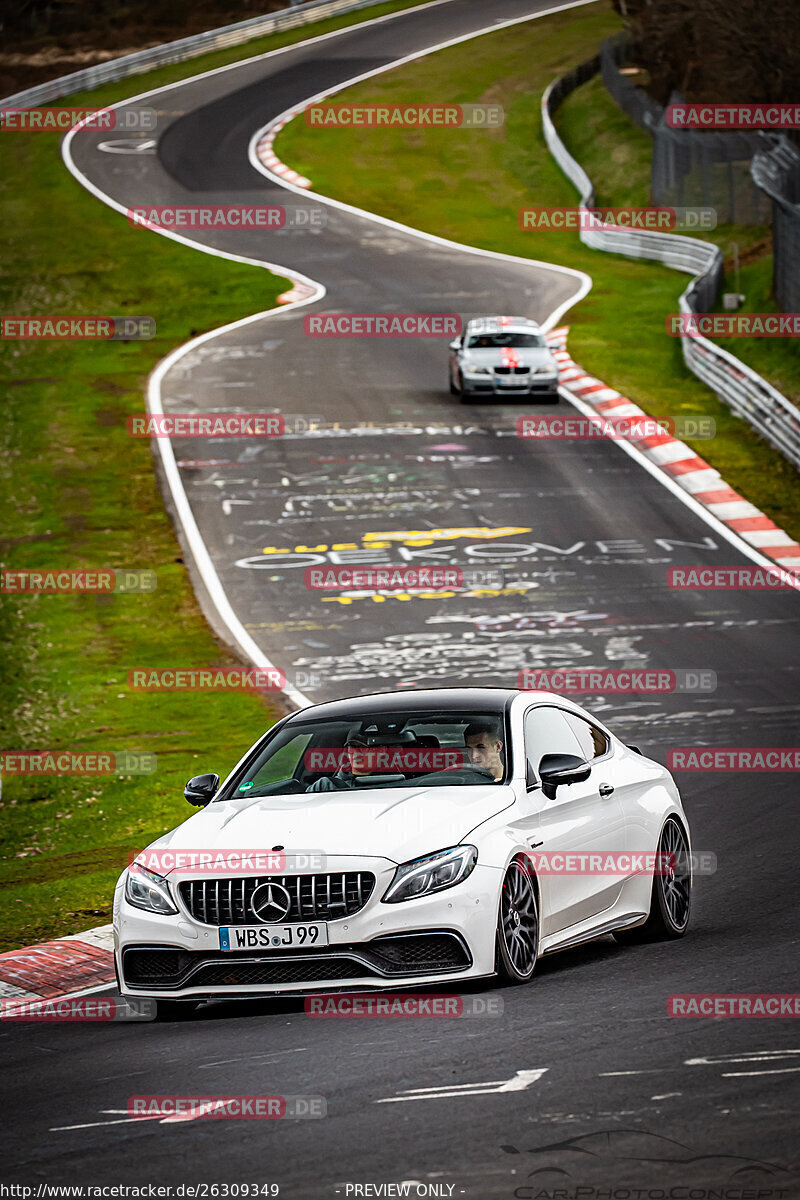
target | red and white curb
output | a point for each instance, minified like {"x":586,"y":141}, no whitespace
{"x":269,"y":158}
{"x":64,"y":967}
{"x":300,"y":291}
{"x":85,"y":961}
{"x":703,"y":482}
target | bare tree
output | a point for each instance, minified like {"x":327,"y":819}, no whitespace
{"x":717,"y":50}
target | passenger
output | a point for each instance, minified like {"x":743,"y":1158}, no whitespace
{"x":484,"y":747}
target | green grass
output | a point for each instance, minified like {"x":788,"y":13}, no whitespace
{"x":469,"y":186}
{"x":76,"y":491}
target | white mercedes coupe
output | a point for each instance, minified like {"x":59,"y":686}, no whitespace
{"x":405,"y":839}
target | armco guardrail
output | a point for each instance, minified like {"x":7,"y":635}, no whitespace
{"x":776,"y":170}
{"x":184,"y":48}
{"x":746,"y":393}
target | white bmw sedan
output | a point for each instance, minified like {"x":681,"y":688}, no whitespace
{"x":502,"y":356}
{"x":405,"y":839}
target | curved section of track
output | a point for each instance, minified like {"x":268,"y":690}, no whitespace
{"x":584,"y":536}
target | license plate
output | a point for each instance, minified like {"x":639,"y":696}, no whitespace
{"x":272,"y":937}
{"x":513,"y":380}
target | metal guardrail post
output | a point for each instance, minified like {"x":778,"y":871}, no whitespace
{"x":182,"y":49}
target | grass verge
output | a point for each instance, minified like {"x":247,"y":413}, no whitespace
{"x":76,"y":491}
{"x":469,"y":186}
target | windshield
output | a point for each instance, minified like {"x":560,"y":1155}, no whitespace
{"x":496,"y":341}
{"x":398,"y":750}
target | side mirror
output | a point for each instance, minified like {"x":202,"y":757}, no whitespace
{"x":456,"y":345}
{"x":201,"y":790}
{"x":558,"y":769}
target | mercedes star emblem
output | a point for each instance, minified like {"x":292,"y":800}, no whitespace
{"x":270,"y":902}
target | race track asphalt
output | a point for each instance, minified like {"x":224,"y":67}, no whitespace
{"x":590,"y":536}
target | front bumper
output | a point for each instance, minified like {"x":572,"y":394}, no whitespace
{"x":448,"y":936}
{"x":515,"y":385}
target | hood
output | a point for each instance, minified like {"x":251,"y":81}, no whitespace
{"x":390,"y":823}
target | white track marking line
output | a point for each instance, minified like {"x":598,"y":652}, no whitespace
{"x":730,"y":535}
{"x":745,"y":1057}
{"x":742,"y":1074}
{"x":518,"y":1082}
{"x":585,"y":281}
{"x":191,"y":531}
{"x":199,"y":550}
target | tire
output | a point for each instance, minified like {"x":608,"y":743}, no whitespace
{"x":174,"y":1010}
{"x":671,"y":894}
{"x":517,"y":936}
{"x":453,"y":388}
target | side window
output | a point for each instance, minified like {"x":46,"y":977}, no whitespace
{"x":593,"y":742}
{"x":547,"y":732}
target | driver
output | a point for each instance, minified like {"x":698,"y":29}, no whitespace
{"x":360,"y":762}
{"x":484,"y":747}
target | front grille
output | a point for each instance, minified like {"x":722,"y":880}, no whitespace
{"x":512,"y":370}
{"x":313,"y":897}
{"x":390,"y":956}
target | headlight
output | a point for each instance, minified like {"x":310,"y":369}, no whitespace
{"x":470,"y":370}
{"x":544,"y":370}
{"x":144,"y":889}
{"x":433,"y":873}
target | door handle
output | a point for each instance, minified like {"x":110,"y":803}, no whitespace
{"x":606,"y":789}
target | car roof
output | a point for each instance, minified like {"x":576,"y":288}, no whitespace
{"x":509,"y":323}
{"x":472,"y":699}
